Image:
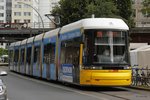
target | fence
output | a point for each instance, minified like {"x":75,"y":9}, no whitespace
{"x":141,"y":77}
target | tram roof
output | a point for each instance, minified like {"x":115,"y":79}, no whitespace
{"x":12,"y":44}
{"x":96,"y":23}
{"x":30,"y":39}
{"x":38,"y":37}
{"x":51,"y":33}
{"x":24,"y":41}
{"x":18,"y":43}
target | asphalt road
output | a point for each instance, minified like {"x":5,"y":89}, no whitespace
{"x":21,"y":87}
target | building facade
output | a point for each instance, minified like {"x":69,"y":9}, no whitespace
{"x":140,"y":19}
{"x":2,"y":11}
{"x":22,"y":12}
{"x":33,"y":12}
{"x":5,"y":16}
{"x":8,"y":11}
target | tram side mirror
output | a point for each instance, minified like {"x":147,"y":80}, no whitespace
{"x":3,"y":73}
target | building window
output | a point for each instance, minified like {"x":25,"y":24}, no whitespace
{"x":27,"y":13}
{"x":26,"y":6}
{"x":1,"y":21}
{"x":16,"y":21}
{"x":27,"y":21}
{"x":17,"y":13}
{"x":1,"y":7}
{"x":1,"y":14}
{"x":17,"y":6}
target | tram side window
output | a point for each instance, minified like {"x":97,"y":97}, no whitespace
{"x":11,"y":56}
{"x":37,"y":54}
{"x":47,"y":53}
{"x":52,"y":53}
{"x":29,"y":55}
{"x":16,"y":55}
{"x":22,"y":55}
{"x":70,"y":51}
{"x":88,"y":48}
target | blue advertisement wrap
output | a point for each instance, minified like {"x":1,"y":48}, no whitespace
{"x":44,"y":71}
{"x":70,"y":35}
{"x":67,"y":72}
{"x":29,"y":45}
{"x":52,"y":72}
{"x":50,"y":40}
{"x":37,"y":43}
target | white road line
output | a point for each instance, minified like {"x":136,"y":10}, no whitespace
{"x":56,"y":86}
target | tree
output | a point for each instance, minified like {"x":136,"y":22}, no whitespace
{"x":125,"y":10}
{"x":3,"y":52}
{"x":101,"y":8}
{"x":73,"y":10}
{"x":70,"y":10}
{"x":146,"y":8}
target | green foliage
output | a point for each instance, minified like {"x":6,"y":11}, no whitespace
{"x":105,"y":9}
{"x":70,"y":10}
{"x":3,"y":52}
{"x":146,"y":8}
{"x":73,"y":10}
{"x":125,"y":10}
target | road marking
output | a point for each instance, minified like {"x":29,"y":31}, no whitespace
{"x":56,"y":86}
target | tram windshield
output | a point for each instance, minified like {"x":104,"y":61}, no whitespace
{"x":106,"y":47}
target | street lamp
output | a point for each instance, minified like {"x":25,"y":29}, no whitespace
{"x":35,"y":10}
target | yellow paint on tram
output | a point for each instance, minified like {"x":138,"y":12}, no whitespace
{"x":105,"y":77}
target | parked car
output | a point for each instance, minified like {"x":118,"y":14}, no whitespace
{"x":3,"y":92}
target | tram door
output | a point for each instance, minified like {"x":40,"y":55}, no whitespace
{"x":49,"y":57}
{"x":70,"y":60}
{"x":16,"y":59}
{"x":36,"y":61}
{"x":28,"y":61}
{"x":46,"y":60}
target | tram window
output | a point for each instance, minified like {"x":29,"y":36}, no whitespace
{"x":88,"y":47}
{"x":11,"y":55}
{"x":118,"y":37}
{"x":16,"y":55}
{"x":70,"y":51}
{"x":49,"y":53}
{"x":36,"y":54}
{"x":102,"y":54}
{"x":52,"y":53}
{"x":29,"y":55}
{"x":22,"y":55}
{"x":119,"y":54}
{"x":104,"y":46}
